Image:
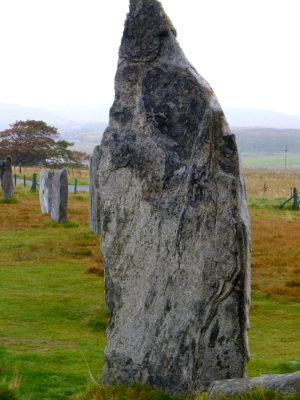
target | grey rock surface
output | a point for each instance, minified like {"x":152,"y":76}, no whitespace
{"x":59,"y":207}
{"x":173,"y":218}
{"x":46,"y":183}
{"x":284,"y":383}
{"x":6,"y":177}
{"x":94,"y":199}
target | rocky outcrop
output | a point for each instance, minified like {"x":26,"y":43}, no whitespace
{"x":59,"y":206}
{"x":173,"y":218}
{"x":6,"y":177}
{"x":94,"y":199}
{"x":284,"y":383}
{"x":46,"y":182}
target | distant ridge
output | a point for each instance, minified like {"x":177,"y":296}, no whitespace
{"x":267,"y":140}
{"x":237,"y":117}
{"x":252,"y":118}
{"x":56,"y":115}
{"x":10,"y":113}
{"x":256,"y":130}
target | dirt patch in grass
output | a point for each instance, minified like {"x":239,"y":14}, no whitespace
{"x":37,"y":345}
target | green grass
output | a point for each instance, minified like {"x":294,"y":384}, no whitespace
{"x":141,"y":392}
{"x":80,"y":181}
{"x":45,"y":298}
{"x":9,"y":389}
{"x":71,"y":180}
{"x":270,"y":204}
{"x":274,"y":336}
{"x":121,"y":392}
{"x":53,"y":318}
{"x":43,"y":330}
{"x":275,"y":161}
{"x":9,"y":201}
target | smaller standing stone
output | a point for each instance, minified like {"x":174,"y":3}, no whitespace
{"x":59,"y":207}
{"x":46,"y":182}
{"x":94,"y":204}
{"x":284,"y":383}
{"x":6,"y":176}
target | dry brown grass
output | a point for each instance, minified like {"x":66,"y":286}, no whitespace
{"x":271,"y":184}
{"x":26,"y":214}
{"x":276,"y":254}
{"x":72,"y":172}
{"x":275,"y":235}
{"x":276,"y":183}
{"x":22,"y":215}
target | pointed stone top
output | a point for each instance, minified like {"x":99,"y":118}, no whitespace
{"x":146,"y":27}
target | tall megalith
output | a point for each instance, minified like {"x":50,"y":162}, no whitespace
{"x":6,"y":177}
{"x":94,"y":192}
{"x":59,"y":199}
{"x":173,"y":219}
{"x":46,"y":183}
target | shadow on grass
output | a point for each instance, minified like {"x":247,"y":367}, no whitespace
{"x":67,"y":224}
{"x":269,"y":204}
{"x":141,"y":392}
{"x":13,"y":200}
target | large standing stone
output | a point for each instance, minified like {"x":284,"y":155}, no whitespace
{"x":174,"y":221}
{"x":94,"y":201}
{"x":59,"y":207}
{"x":6,"y":176}
{"x":46,"y":182}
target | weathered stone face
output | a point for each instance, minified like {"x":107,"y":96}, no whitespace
{"x":173,"y":217}
{"x":94,"y":200}
{"x":7,"y":183}
{"x":46,"y":182}
{"x":59,"y":207}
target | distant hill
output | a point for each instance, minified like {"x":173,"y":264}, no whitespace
{"x":252,"y":118}
{"x":10,"y":113}
{"x":85,"y":134}
{"x":257,"y":131}
{"x":267,"y":140}
{"x":82,"y":113}
{"x":249,"y":118}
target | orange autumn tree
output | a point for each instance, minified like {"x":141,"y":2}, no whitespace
{"x":34,"y":142}
{"x":81,"y":157}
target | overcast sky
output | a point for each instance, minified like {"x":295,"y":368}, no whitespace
{"x":64,"y":52}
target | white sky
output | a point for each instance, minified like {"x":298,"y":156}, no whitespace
{"x":64,"y":52}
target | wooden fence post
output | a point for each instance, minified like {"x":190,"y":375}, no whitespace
{"x":75,"y":186}
{"x":24,"y":180}
{"x":33,"y":186}
{"x":296,"y":199}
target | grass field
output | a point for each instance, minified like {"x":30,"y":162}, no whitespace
{"x":52,"y":314}
{"x":50,"y":305}
{"x":81,"y":175}
{"x":272,"y":161}
{"x":270,"y":185}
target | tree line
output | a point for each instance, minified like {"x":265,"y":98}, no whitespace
{"x":33,"y":142}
